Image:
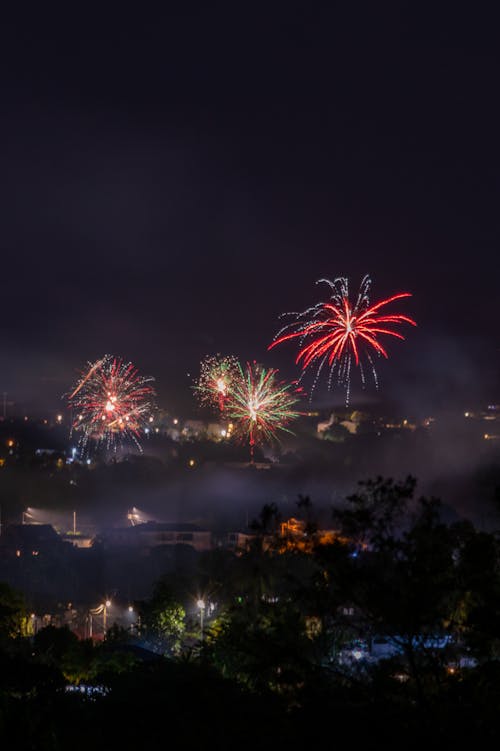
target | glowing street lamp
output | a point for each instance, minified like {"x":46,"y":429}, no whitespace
{"x":201,"y":605}
{"x":107,"y":605}
{"x":133,"y":516}
{"x":135,"y":620}
{"x":100,"y":610}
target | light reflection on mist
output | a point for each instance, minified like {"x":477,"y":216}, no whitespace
{"x":449,"y":458}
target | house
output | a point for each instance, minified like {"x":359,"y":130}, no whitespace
{"x":238,"y":541}
{"x":18,"y":540}
{"x":152,"y":534}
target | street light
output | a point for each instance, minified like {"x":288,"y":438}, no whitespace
{"x":133,"y":516}
{"x":135,"y":620}
{"x":103,"y":608}
{"x":107,"y":605}
{"x":201,"y":606}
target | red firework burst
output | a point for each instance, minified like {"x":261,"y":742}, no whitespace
{"x":112,"y":403}
{"x":338,"y":333}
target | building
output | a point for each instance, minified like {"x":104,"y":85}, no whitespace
{"x":20,"y":540}
{"x":153,"y":534}
{"x":78,"y":540}
{"x":238,"y":541}
{"x":295,"y":535}
{"x":193,"y":428}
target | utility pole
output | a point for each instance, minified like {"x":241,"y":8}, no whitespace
{"x":4,"y":405}
{"x":74,"y":522}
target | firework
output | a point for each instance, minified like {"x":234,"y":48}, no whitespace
{"x":338,"y":333}
{"x":260,"y":405}
{"x":217,"y":374}
{"x":111,"y":403}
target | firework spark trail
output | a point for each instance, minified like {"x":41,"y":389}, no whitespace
{"x":83,"y":381}
{"x":260,"y":405}
{"x":217,"y":374}
{"x":341,"y":334}
{"x":112,"y":402}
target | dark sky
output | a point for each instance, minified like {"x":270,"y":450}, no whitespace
{"x":171,"y":182}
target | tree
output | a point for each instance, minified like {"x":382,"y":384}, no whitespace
{"x":404,"y":579}
{"x":164,"y":616}
{"x":12,"y":613}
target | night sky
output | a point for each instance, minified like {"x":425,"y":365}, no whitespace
{"x":171,"y":183}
